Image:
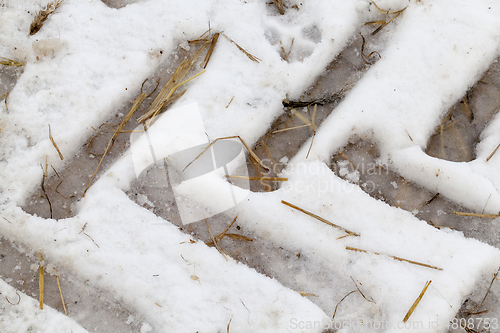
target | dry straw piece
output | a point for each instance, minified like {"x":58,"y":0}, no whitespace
{"x":223,"y":234}
{"x":359,"y":290}
{"x":45,"y":175}
{"x":55,"y":145}
{"x":273,"y":179}
{"x":493,"y":153}
{"x":250,"y":56}
{"x":318,"y":218}
{"x":307,"y":123}
{"x":383,"y":23}
{"x":491,"y":216}
{"x":216,"y":243}
{"x":366,"y":57}
{"x":10,"y":62}
{"x":394,"y":257}
{"x":5,"y":100}
{"x":303,"y":293}
{"x":227,"y":138}
{"x":18,"y":299}
{"x":419,"y":298}
{"x":343,"y":298}
{"x":279,"y":5}
{"x":164,"y":97}
{"x":41,"y":278}
{"x":42,"y":16}
{"x":60,"y":292}
{"x":119,"y":130}
{"x":473,"y":312}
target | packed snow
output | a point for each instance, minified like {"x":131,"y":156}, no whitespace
{"x":89,"y":60}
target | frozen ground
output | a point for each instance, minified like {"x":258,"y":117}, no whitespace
{"x":401,"y":142}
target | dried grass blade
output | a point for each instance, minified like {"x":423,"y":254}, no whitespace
{"x":383,"y":11}
{"x":366,"y":57}
{"x":42,"y":15}
{"x":377,"y":22}
{"x":359,"y":290}
{"x":419,"y":298}
{"x":169,"y":88}
{"x":41,"y":279}
{"x":226,"y":138}
{"x":394,"y":257}
{"x":487,"y":292}
{"x":215,"y":243}
{"x":318,"y":217}
{"x":55,"y":145}
{"x":312,"y":141}
{"x":279,"y":5}
{"x":60,"y":293}
{"x":211,"y":49}
{"x":303,"y":293}
{"x":302,"y":118}
{"x":399,"y":12}
{"x":239,"y":237}
{"x":170,"y":98}
{"x":290,"y":128}
{"x":228,"y":227}
{"x":10,"y":62}
{"x":134,"y":107}
{"x":492,"y":216}
{"x":44,"y":175}
{"x":343,"y":298}
{"x":251,"y":57}
{"x":313,"y":118}
{"x":487,"y":158}
{"x":273,"y":179}
{"x":5,"y":100}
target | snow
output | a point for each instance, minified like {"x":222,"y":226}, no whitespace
{"x":88,"y":60}
{"x":21,"y":313}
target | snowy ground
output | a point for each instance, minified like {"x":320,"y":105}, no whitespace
{"x":123,"y":249}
